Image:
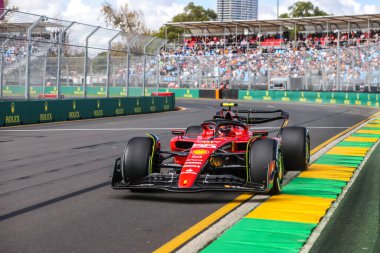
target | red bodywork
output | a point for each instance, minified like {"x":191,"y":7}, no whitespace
{"x":204,"y":145}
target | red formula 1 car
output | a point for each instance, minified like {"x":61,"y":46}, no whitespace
{"x":220,"y":154}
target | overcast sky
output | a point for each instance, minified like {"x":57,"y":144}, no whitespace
{"x":157,"y":12}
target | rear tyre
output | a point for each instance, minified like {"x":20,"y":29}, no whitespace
{"x":135,"y":163}
{"x":261,"y":154}
{"x":296,"y":148}
{"x":193,"y":131}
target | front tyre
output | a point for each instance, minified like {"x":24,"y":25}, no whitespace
{"x":262,"y":154}
{"x":136,"y":160}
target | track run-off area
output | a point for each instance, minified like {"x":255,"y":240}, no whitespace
{"x":55,"y":192}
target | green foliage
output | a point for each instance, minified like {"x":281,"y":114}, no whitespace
{"x":191,"y":12}
{"x":126,"y":19}
{"x":303,"y":9}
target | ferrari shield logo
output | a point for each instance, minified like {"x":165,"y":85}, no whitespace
{"x":46,"y":106}
{"x":12,"y":108}
{"x":74,"y":105}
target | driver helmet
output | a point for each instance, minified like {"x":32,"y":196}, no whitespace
{"x":225,"y":130}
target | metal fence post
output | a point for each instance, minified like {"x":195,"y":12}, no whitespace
{"x":129,"y":62}
{"x":28,"y":55}
{"x":158,"y":63}
{"x":338,"y":85}
{"x":2,"y":67}
{"x":109,"y":62}
{"x":178,"y":72}
{"x":144,"y":67}
{"x":86,"y":62}
{"x":44,"y":72}
{"x":59,"y":60}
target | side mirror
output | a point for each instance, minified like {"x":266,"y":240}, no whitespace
{"x":178,"y":132}
{"x":260,"y":133}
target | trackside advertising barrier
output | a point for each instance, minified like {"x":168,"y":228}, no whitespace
{"x":40,"y":111}
{"x":347,"y":98}
{"x":97,"y":91}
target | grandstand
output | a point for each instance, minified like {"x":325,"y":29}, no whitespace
{"x":326,"y":53}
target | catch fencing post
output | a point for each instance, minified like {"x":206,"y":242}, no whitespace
{"x":129,"y":62}
{"x":86,"y":62}
{"x":28,"y":54}
{"x":144,"y":67}
{"x":2,"y":67}
{"x":158,"y":63}
{"x":59,"y":60}
{"x":109,"y":62}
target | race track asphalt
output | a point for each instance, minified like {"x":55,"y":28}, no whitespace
{"x":54,"y":180}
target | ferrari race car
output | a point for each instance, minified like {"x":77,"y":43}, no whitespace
{"x":219,"y":154}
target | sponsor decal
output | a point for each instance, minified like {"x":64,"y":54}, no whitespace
{"x":119,"y":111}
{"x":196,"y":157}
{"x":75,"y":114}
{"x":187,"y":162}
{"x":12,"y":119}
{"x":204,"y":146}
{"x":247,"y":96}
{"x":207,"y":142}
{"x":98,"y":113}
{"x":189,"y":171}
{"x":137,"y":108}
{"x":188,"y":94}
{"x":194,"y":160}
{"x":13,"y":108}
{"x":192,"y":166}
{"x":46,"y":116}
{"x":200,"y":152}
{"x":267,"y":97}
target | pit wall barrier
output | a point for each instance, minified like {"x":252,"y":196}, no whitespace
{"x":41,"y":111}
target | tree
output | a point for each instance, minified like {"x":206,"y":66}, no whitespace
{"x":126,"y":19}
{"x":303,"y":9}
{"x":191,"y":12}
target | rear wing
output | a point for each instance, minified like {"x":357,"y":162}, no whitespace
{"x":252,"y":117}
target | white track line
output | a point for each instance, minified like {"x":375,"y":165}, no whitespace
{"x":132,"y":129}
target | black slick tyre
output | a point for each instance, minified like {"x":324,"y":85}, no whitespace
{"x":261,"y":154}
{"x":135,"y":163}
{"x":295,"y":143}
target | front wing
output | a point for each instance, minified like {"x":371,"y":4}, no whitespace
{"x":169,"y":182}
